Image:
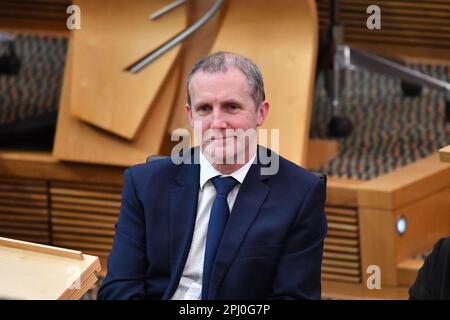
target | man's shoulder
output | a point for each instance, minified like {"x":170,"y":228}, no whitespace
{"x":160,"y":168}
{"x":442,"y":249}
{"x":290,"y":172}
{"x":432,"y":281}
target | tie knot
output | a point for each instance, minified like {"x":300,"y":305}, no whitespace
{"x":224,"y":185}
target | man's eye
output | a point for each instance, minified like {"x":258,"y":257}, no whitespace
{"x":203,"y":109}
{"x":233,"y":106}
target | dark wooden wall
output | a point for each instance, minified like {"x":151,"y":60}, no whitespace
{"x":408,"y":23}
{"x":404,"y":23}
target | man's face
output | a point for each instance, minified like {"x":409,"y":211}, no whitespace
{"x":220,"y":102}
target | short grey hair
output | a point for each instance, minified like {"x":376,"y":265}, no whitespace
{"x":222,"y":61}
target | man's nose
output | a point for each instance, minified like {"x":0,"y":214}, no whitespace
{"x":218,"y":120}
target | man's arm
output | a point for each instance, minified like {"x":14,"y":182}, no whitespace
{"x":127,"y":262}
{"x":299,"y":269}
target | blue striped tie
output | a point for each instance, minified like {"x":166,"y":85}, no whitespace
{"x":216,"y":225}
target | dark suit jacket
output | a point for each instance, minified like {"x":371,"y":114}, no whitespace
{"x":433,"y":279}
{"x":271,"y":248}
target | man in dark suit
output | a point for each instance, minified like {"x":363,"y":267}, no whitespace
{"x":433,"y":279}
{"x":225,"y":223}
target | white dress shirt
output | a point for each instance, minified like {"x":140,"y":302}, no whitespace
{"x":190,"y":286}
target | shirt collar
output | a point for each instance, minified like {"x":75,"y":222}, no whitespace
{"x":207,"y":171}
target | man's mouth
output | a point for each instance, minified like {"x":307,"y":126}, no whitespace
{"x":223,"y":138}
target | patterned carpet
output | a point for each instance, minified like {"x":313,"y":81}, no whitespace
{"x":390,"y":131}
{"x":29,"y":100}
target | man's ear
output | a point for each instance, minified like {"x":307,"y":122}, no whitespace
{"x":189,"y":112}
{"x":263,"y":110}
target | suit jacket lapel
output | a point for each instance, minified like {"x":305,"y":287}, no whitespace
{"x":183,"y":212}
{"x":251,"y":196}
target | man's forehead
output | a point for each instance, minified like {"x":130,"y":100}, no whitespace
{"x":232,"y":80}
{"x":231,"y":73}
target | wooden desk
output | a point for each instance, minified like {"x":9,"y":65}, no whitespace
{"x":39,"y":272}
{"x":444,"y":154}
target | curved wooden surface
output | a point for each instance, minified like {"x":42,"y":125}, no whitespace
{"x":281,"y":38}
{"x":113,"y":35}
{"x":78,"y":141}
{"x":444,"y":154}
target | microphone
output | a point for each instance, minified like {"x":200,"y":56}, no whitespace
{"x":9,"y":62}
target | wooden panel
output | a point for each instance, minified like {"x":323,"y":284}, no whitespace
{"x":378,"y":239}
{"x":23,"y":196}
{"x":342,"y":192}
{"x":341,"y":257}
{"x":86,"y":246}
{"x":91,"y":189}
{"x":88,"y":217}
{"x":335,"y":240}
{"x":407,"y":271}
{"x":84,"y":209}
{"x":41,"y":165}
{"x":333,"y":218}
{"x":84,"y":201}
{"x":36,"y":15}
{"x":411,"y":24}
{"x":32,"y":220}
{"x":444,"y":154}
{"x":39,"y":9}
{"x":25,"y":208}
{"x":13,"y":222}
{"x":20,"y":184}
{"x":82,"y":193}
{"x":405,"y":185}
{"x":80,"y":223}
{"x":81,"y":230}
{"x":339,"y":248}
{"x":24,"y":213}
{"x":81,"y":239}
{"x":287,"y":64}
{"x":394,"y":40}
{"x":328,"y":262}
{"x":427,"y":24}
{"x":10,"y":184}
{"x":341,"y":211}
{"x":340,"y":278}
{"x":349,"y":291}
{"x":320,"y":152}
{"x":342,"y":226}
{"x":102,"y":93}
{"x":427,"y":220}
{"x":340,"y":270}
{"x":19,"y":233}
{"x":29,"y":236}
{"x":78,"y":141}
{"x":344,"y":234}
{"x":83,"y":217}
{"x":412,"y":35}
{"x":420,"y":193}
